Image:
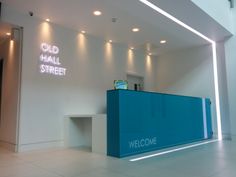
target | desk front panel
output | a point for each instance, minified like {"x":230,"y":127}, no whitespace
{"x":143,"y":121}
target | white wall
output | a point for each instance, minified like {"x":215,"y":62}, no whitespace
{"x":188,"y":72}
{"x":230,"y":53}
{"x":9,"y":51}
{"x":91,"y":64}
{"x":220,"y":11}
{"x":223,"y":90}
{"x":217,"y":9}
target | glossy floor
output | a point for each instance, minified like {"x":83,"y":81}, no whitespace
{"x":211,"y":160}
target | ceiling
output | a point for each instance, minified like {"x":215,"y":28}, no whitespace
{"x":78,"y":15}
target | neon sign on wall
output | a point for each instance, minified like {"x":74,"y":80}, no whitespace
{"x":50,"y":61}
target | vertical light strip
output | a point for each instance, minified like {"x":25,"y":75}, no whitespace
{"x":204,"y":117}
{"x":217,"y":95}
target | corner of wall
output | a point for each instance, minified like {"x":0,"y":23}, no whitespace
{"x":8,"y":146}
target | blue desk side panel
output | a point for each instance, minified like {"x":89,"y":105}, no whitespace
{"x":208,"y":114}
{"x":113,"y":137}
{"x":142,"y":121}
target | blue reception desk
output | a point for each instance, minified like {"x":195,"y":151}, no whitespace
{"x":139,"y":122}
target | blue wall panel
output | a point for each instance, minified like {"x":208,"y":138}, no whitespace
{"x":143,"y":121}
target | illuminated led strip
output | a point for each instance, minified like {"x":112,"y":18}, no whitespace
{"x":204,"y":117}
{"x":173,"y":150}
{"x":217,"y":96}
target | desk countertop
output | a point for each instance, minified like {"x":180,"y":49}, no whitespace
{"x":72,"y":116}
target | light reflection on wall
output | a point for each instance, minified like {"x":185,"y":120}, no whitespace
{"x":149,"y":64}
{"x":11,"y":51}
{"x":108,"y":52}
{"x":11,"y":45}
{"x":130,"y":59}
{"x":45,"y":32}
{"x":82,"y":44}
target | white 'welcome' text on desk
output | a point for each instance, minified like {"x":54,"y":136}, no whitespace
{"x":141,"y":143}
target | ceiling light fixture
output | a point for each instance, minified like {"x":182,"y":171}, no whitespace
{"x":110,"y":41}
{"x":48,"y":20}
{"x":83,"y":32}
{"x":132,"y":48}
{"x":8,"y":34}
{"x":135,"y":29}
{"x":163,"y":41}
{"x":215,"y":70}
{"x":97,"y":13}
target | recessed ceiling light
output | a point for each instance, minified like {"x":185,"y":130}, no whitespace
{"x":8,"y":34}
{"x":135,"y":29}
{"x":163,"y":41}
{"x":97,"y":13}
{"x":83,"y":32}
{"x":48,"y":20}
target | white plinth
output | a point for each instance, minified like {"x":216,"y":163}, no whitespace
{"x":86,"y":130}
